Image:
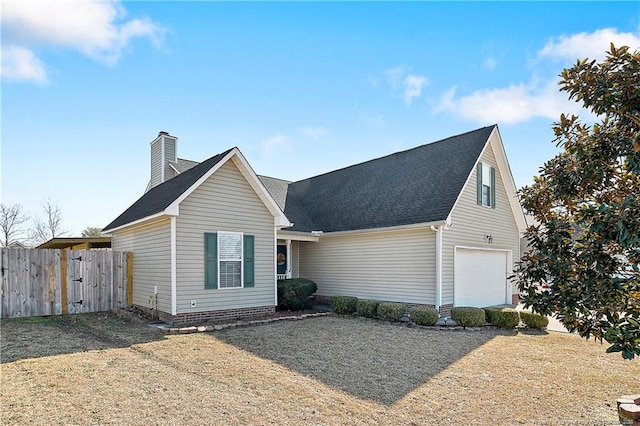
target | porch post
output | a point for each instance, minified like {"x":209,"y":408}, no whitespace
{"x":289,"y":260}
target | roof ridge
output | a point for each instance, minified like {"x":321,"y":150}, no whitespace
{"x":394,"y":153}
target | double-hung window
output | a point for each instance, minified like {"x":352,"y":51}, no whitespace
{"x":486,"y":185}
{"x":229,"y":260}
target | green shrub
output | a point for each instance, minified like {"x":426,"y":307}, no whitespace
{"x":502,"y":317}
{"x":532,"y":320}
{"x":367,"y":308}
{"x":468,"y":316}
{"x":424,"y":315}
{"x":293,"y":294}
{"x":390,"y":311}
{"x":344,"y":304}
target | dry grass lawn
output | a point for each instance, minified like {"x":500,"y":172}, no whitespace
{"x":99,"y":369}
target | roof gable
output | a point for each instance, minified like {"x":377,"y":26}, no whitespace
{"x":420,"y":185}
{"x":166,"y":197}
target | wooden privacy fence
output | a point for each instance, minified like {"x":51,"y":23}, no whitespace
{"x":38,"y":282}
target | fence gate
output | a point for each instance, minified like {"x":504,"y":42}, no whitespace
{"x":38,"y":282}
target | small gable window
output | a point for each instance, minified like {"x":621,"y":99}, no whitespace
{"x":228,"y":260}
{"x":486,"y":185}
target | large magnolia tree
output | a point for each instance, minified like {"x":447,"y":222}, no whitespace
{"x":585,"y":244}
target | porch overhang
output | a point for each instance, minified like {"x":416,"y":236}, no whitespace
{"x":296,"y":236}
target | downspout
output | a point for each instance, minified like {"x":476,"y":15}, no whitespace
{"x":289,"y":260}
{"x":438,"y":230}
{"x":174,"y":272}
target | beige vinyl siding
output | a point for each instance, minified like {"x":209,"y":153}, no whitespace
{"x":225,"y":202}
{"x":394,"y":266}
{"x":295,"y":259}
{"x":156,"y":163}
{"x":471,"y":222}
{"x":151,"y":247}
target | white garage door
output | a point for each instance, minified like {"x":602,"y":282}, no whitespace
{"x":480,"y":277}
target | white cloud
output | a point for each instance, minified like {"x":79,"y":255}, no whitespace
{"x":510,"y":105}
{"x":95,"y":28}
{"x":409,"y":84}
{"x":274,"y":144}
{"x":538,"y":98}
{"x":19,"y":64}
{"x":588,"y":45}
{"x":314,"y":132}
{"x":413,"y":87}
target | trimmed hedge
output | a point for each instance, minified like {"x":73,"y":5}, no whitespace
{"x":367,"y":308}
{"x":391,"y":311}
{"x":344,"y":304}
{"x":424,"y":315}
{"x":468,"y":316}
{"x":502,"y":317}
{"x":533,"y":320}
{"x":293,"y":294}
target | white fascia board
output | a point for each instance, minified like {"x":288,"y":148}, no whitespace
{"x":135,"y":222}
{"x":296,"y":236}
{"x":507,"y":178}
{"x":494,"y":142}
{"x":174,"y":169}
{"x":174,"y":207}
{"x":245,"y":168}
{"x":425,"y":225}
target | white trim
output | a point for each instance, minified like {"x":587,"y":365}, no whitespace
{"x":174,"y":169}
{"x":257,"y":185}
{"x":275,"y":264}
{"x":425,"y":225}
{"x":218,"y":251}
{"x":174,"y":269}
{"x":439,"y":230}
{"x":508,"y":288}
{"x":135,"y":222}
{"x":507,"y":179}
{"x":289,"y":260}
{"x":248,"y":173}
{"x":295,"y":236}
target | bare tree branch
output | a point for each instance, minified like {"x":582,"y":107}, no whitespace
{"x":49,"y":227}
{"x":11,"y":219}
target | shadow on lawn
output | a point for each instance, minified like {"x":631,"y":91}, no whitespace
{"x":370,"y":360}
{"x":34,"y":337}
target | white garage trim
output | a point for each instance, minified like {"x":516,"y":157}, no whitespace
{"x":496,"y":283}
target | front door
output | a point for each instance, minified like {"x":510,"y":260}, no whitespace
{"x":281,"y":258}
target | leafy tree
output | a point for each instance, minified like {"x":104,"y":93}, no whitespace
{"x":91,"y":231}
{"x":49,"y":227}
{"x":586,"y":243}
{"x":11,"y":219}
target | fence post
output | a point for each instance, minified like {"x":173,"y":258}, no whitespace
{"x":63,"y":282}
{"x":129,"y":279}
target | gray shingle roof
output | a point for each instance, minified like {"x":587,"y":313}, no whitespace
{"x":277,"y":188}
{"x":419,"y":185}
{"x":160,"y":197}
{"x":183,"y":165}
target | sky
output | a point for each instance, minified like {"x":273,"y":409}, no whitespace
{"x":301,"y":88}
